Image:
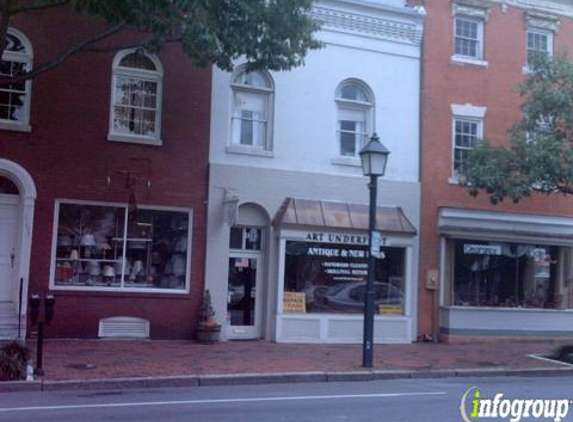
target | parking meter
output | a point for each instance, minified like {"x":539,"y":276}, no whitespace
{"x":49,"y":302}
{"x":35,"y":308}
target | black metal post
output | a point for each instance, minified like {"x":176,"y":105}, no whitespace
{"x":40,"y":350}
{"x":368,"y":340}
{"x":20,"y":307}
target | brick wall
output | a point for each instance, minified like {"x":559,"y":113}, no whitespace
{"x":447,"y":83}
{"x":68,"y":155}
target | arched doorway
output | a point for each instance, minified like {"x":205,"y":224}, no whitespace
{"x":17,"y":198}
{"x":246,"y":286}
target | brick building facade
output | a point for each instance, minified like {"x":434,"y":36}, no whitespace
{"x":503,"y":270}
{"x":103,"y":188}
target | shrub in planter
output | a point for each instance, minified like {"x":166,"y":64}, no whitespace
{"x":13,"y":360}
{"x":208,"y":330}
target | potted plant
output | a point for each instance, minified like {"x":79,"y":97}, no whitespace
{"x":208,"y":330}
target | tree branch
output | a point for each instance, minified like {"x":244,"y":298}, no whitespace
{"x":39,"y":8}
{"x":62,"y":57}
{"x":5,"y":15}
{"x":128,"y":46}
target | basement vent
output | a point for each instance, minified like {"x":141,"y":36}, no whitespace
{"x":123,"y":327}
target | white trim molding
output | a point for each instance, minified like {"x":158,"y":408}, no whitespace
{"x":474,"y":9}
{"x":468,"y":110}
{"x":542,"y":21}
{"x":368,"y":24}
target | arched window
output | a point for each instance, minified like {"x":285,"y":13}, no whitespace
{"x":15,"y":97}
{"x":135,"y":114}
{"x":251,"y":122}
{"x":355,"y":119}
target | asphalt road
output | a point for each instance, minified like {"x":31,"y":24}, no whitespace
{"x":433,"y":400}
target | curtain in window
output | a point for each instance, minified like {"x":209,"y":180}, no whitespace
{"x":249,"y":119}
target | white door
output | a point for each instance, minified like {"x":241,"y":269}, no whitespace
{"x":8,"y":224}
{"x":244,"y":296}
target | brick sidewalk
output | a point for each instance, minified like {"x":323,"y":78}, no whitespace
{"x":96,"y":359}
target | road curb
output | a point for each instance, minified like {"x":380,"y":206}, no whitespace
{"x":272,"y":378}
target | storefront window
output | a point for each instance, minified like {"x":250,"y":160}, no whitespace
{"x":106,"y":246}
{"x":331,"y":278}
{"x":513,"y":275}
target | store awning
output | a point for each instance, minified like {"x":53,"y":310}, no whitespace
{"x":458,"y":222}
{"x":340,"y":215}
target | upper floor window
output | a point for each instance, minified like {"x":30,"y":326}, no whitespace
{"x":539,"y":38}
{"x":469,"y":22}
{"x":467,"y":133}
{"x":135,"y":113}
{"x":15,"y":97}
{"x":252,"y":110}
{"x":469,"y":38}
{"x":355,"y":118}
{"x":539,"y":46}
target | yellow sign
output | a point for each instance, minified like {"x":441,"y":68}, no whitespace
{"x":294,"y":302}
{"x":390,"y":309}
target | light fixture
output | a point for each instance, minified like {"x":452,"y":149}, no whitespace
{"x":374,"y":157}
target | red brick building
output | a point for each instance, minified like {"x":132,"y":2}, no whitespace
{"x":103,"y":184}
{"x":504,"y":270}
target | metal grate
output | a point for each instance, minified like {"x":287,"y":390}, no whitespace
{"x":124,"y":327}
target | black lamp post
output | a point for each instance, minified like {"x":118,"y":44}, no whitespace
{"x":374,"y":158}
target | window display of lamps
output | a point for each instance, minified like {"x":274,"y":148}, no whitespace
{"x":88,"y":244}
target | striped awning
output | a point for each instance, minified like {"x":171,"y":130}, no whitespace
{"x":340,"y":215}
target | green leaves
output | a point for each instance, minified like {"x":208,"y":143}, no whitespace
{"x":270,"y":34}
{"x":540,"y":157}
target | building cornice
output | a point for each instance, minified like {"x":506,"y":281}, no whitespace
{"x":553,"y":7}
{"x":370,"y":24}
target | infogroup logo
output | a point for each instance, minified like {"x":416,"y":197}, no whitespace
{"x":475,"y":407}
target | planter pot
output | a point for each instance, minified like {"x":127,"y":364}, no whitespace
{"x":208,"y":334}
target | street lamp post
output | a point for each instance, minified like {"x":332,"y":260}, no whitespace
{"x":374,"y":158}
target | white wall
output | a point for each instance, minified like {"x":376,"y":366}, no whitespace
{"x":304,"y":136}
{"x":376,"y":43}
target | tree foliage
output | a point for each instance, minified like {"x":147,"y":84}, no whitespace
{"x":269,"y":34}
{"x":540,"y":153}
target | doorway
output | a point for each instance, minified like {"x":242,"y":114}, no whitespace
{"x":244,"y":297}
{"x":9,"y":210}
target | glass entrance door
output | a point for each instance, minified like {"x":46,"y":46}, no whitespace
{"x":243,"y":301}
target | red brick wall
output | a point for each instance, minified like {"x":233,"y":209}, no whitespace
{"x":446,"y":83}
{"x":68,"y":156}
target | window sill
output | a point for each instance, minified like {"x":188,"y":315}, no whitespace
{"x":453,"y":180}
{"x":469,"y":60}
{"x":16,"y":127}
{"x":124,"y":290}
{"x":347,"y":161}
{"x":527,"y":70}
{"x":133,"y":139}
{"x":234,"y":149}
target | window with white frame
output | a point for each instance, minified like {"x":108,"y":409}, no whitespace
{"x":135,"y":114}
{"x":252,"y":110}
{"x":107,"y":247}
{"x":539,"y":46}
{"x":355,"y":118}
{"x":467,"y":135}
{"x":15,"y":97}
{"x":468,"y":37}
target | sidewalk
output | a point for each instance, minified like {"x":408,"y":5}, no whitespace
{"x":91,"y":360}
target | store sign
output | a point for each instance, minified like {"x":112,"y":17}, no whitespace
{"x":346,"y":239}
{"x":470,"y":249}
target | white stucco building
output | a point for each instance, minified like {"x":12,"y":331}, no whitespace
{"x":289,"y":264}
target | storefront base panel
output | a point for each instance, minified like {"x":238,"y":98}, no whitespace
{"x":464,"y":325}
{"x":341,"y":330}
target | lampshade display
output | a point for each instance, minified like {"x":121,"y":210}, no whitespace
{"x":88,"y":240}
